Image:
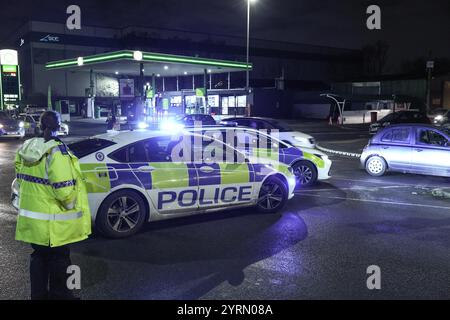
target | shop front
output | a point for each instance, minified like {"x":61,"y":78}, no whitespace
{"x":217,"y":103}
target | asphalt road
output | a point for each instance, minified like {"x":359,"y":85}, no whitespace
{"x":319,"y":247}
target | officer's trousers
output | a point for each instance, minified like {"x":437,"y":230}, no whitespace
{"x":48,"y":273}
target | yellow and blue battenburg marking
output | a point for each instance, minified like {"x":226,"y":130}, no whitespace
{"x":287,"y":155}
{"x":101,"y":178}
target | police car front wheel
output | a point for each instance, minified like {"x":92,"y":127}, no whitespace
{"x":122,"y":214}
{"x":273,"y":195}
{"x":305,"y":173}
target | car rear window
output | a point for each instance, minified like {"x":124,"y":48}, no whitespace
{"x":86,"y":147}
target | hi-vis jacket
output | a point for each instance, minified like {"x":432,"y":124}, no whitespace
{"x":53,"y":203}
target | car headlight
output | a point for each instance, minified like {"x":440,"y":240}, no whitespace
{"x":439,"y":118}
{"x":142,"y":125}
{"x":1,"y":126}
{"x":21,"y":124}
{"x":300,"y":139}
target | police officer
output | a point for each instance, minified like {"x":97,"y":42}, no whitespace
{"x":53,"y":208}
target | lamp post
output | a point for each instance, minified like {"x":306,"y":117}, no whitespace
{"x":247,"y":83}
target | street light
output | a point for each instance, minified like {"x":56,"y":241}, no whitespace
{"x":247,"y":85}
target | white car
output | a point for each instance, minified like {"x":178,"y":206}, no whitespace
{"x":309,"y":165}
{"x":132,"y":178}
{"x":286,"y":133}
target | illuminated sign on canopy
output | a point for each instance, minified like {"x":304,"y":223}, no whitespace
{"x":9,"y":57}
{"x":9,"y":78}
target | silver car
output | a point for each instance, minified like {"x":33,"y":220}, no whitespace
{"x":408,"y":148}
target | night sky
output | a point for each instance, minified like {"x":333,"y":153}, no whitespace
{"x":410,"y":27}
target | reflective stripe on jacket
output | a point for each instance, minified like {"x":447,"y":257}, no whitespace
{"x":53,"y":205}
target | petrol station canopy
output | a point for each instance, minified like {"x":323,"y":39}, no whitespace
{"x":128,"y":62}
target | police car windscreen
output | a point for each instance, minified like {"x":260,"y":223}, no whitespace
{"x":86,"y":147}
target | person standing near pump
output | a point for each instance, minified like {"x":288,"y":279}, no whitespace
{"x":53,"y":208}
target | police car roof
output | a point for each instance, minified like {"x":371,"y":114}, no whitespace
{"x":129,"y":136}
{"x":136,"y":135}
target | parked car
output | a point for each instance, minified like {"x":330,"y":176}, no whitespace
{"x":408,"y":148}
{"x":405,"y":116}
{"x":286,"y":133}
{"x":11,"y":127}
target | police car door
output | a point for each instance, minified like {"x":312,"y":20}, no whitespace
{"x":174,"y":184}
{"x":223,"y":174}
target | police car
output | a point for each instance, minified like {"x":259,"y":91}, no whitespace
{"x":309,"y":165}
{"x":139,"y":176}
{"x":32,"y":125}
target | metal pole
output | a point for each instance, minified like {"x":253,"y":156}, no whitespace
{"x":247,"y":84}
{"x":178,"y":84}
{"x":429,"y":89}
{"x":154,"y":97}
{"x":205,"y":85}
{"x":91,"y":106}
{"x":141,"y":80}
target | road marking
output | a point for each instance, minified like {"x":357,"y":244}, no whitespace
{"x":353,"y":188}
{"x":387,"y":182}
{"x":379,"y":201}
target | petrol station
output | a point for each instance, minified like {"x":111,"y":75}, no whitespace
{"x":151,"y":85}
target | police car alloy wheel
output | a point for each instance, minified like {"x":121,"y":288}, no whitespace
{"x":376,"y":166}
{"x":272,"y":196}
{"x":122,"y":214}
{"x":305,"y":173}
